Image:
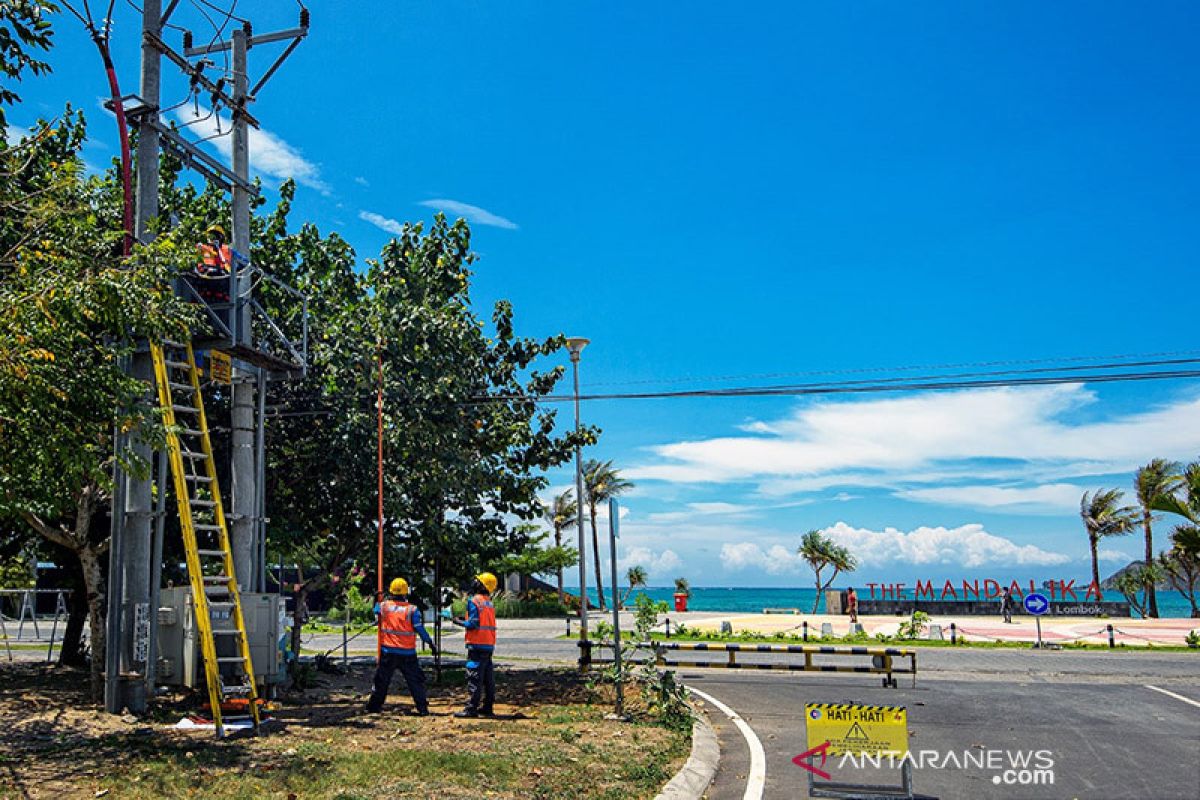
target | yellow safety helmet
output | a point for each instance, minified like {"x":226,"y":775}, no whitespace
{"x":216,"y":229}
{"x":488,"y":580}
{"x":398,"y":586}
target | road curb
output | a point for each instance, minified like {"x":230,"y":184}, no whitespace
{"x":694,"y":777}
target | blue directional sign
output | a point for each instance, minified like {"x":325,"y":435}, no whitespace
{"x":1036,"y":604}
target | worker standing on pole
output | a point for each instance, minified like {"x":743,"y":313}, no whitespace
{"x":399,"y":625}
{"x":480,"y":626}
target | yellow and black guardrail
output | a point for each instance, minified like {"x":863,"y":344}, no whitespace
{"x":883,"y":659}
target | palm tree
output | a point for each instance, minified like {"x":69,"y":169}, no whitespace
{"x":1103,"y":515}
{"x":820,"y":552}
{"x":601,"y":482}
{"x":1182,"y":563}
{"x":1157,"y":478}
{"x":562,"y":513}
{"x":635,"y":577}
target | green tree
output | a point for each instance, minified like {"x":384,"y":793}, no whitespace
{"x":1181,"y":564}
{"x":536,"y":559}
{"x":1159,"y":477}
{"x":72,"y":310}
{"x":1132,"y":584}
{"x":561,"y":514}
{"x":821,"y":552}
{"x":1104,"y":516}
{"x":635,"y":577}
{"x":601,"y":482}
{"x":23,"y":30}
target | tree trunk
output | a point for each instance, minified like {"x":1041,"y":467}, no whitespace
{"x":1151,"y":597}
{"x":298,"y":613}
{"x":1092,"y":540}
{"x":70,"y":652}
{"x":89,"y":559}
{"x":596,"y":554}
{"x":562,"y":597}
{"x":817,"y":602}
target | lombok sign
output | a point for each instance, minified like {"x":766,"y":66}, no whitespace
{"x":979,"y":596}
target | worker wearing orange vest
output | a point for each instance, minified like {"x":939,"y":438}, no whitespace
{"x":399,"y":625}
{"x":217,"y":260}
{"x":480,"y":626}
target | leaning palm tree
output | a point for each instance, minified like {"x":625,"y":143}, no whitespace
{"x":820,"y":552}
{"x":601,"y":482}
{"x":1103,"y":516}
{"x":635,"y":577}
{"x":560,"y":514}
{"x":1159,"y":477}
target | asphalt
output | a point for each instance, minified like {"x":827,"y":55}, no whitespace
{"x":1109,"y":736}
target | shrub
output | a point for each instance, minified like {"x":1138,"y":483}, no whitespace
{"x":914,"y":627}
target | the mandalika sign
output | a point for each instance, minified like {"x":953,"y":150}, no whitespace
{"x":987,"y":589}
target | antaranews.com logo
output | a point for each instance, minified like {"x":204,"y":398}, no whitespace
{"x":1008,"y":767}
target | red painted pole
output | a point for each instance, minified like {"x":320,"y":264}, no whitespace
{"x":379,"y":555}
{"x":123,"y":130}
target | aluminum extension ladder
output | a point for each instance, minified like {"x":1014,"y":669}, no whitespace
{"x":215,"y":595}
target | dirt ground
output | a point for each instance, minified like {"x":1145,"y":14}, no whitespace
{"x":549,"y":739}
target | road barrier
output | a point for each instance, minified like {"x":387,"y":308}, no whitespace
{"x":883,"y":659}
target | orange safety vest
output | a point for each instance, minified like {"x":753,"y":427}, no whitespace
{"x":395,"y":626}
{"x":215,"y":262}
{"x":485,"y":634}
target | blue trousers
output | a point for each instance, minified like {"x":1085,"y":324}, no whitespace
{"x":410,"y":668}
{"x":481,"y":680}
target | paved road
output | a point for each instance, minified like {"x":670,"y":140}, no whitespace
{"x":1111,"y":737}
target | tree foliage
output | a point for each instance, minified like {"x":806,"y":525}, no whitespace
{"x":23,"y":31}
{"x":821,"y":552}
{"x":1103,"y":516}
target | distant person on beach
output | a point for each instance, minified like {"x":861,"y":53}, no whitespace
{"x":852,"y":604}
{"x":1006,"y":604}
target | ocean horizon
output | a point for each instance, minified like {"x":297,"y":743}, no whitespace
{"x":750,"y":599}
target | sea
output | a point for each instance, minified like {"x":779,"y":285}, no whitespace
{"x":743,"y":599}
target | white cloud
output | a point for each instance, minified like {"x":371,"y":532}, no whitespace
{"x":383,"y":223}
{"x":1109,"y":554}
{"x":965,"y":546}
{"x":940,"y":447}
{"x":776,"y":560}
{"x":475,"y":214}
{"x":655,"y":563}
{"x":1050,"y":498}
{"x":269,"y":154}
{"x":361,"y":181}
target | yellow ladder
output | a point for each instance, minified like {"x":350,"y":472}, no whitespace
{"x":215,"y":595}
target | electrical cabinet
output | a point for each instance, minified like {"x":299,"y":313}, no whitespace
{"x":180,"y":660}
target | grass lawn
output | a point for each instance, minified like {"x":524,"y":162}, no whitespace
{"x":549,"y":740}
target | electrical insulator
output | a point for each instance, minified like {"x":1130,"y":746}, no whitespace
{"x":187,"y":40}
{"x":303,"y":17}
{"x":248,"y":29}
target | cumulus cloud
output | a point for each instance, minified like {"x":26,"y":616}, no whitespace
{"x":655,"y":563}
{"x":1109,"y":554}
{"x":776,"y":560}
{"x":269,"y":154}
{"x":361,"y":181}
{"x":383,"y":223}
{"x":475,"y":214}
{"x":938,"y":447}
{"x":966,"y":546}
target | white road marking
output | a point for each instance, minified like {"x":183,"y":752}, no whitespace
{"x":756,"y":781}
{"x":1187,"y":700}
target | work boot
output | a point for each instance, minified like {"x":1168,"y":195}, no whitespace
{"x":419,"y":712}
{"x":486,"y":712}
{"x":466,"y":713}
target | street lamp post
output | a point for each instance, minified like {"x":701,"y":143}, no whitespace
{"x":576,"y":344}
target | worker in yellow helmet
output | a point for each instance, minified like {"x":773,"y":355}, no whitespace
{"x":399,"y":625}
{"x":480,"y":626}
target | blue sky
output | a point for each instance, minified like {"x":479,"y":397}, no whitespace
{"x":787,"y":188}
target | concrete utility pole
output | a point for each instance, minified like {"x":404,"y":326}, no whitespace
{"x":244,"y":499}
{"x":125,"y":687}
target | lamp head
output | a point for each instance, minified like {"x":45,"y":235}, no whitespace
{"x":575,"y":344}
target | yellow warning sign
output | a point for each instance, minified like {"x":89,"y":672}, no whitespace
{"x":857,"y":729}
{"x":220,"y":367}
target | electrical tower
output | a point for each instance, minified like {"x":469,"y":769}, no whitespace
{"x":136,"y":554}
